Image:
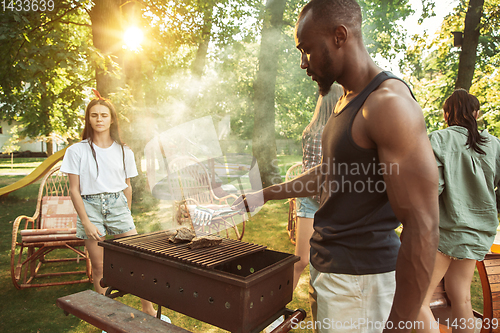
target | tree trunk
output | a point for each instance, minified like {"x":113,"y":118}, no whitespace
{"x":44,"y":115}
{"x":138,"y":131}
{"x":206,"y":33}
{"x":264,"y":140}
{"x":132,"y":60}
{"x":201,"y":56}
{"x":107,"y":38}
{"x":50,"y":149}
{"x":467,"y":59}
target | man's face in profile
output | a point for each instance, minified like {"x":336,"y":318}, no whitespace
{"x":315,"y":53}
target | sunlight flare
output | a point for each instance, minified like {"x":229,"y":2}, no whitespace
{"x":133,"y":38}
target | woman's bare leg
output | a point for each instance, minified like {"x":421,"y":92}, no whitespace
{"x":303,"y":234}
{"x":96,"y":254}
{"x":426,"y":317}
{"x":457,"y":283}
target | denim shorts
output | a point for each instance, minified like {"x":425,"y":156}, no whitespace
{"x":448,"y":256}
{"x":307,"y":207}
{"x":109,"y":212}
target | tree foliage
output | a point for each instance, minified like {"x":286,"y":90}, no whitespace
{"x":175,"y":30}
{"x":432,"y":67}
{"x":44,"y":68}
{"x":51,"y":55}
{"x":177,"y":89}
{"x":383,"y":31}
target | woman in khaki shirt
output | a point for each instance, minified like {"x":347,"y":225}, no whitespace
{"x":469,"y":170}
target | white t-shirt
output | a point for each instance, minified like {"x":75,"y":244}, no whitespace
{"x":79,"y":160}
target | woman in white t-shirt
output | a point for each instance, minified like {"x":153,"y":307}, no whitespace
{"x":99,"y":169}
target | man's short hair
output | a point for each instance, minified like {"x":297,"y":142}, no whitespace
{"x":329,"y":14}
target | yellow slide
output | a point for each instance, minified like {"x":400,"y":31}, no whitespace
{"x":36,"y":174}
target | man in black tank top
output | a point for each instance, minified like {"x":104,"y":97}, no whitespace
{"x":378,"y":171}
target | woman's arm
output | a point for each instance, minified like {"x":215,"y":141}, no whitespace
{"x":128,"y":193}
{"x":74,"y":190}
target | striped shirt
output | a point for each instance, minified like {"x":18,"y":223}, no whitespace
{"x":311,"y":151}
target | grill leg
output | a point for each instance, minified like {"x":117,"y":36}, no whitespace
{"x":158,"y":313}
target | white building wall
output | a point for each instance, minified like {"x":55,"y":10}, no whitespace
{"x":25,"y":145}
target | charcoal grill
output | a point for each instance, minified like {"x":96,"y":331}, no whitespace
{"x":237,"y":286}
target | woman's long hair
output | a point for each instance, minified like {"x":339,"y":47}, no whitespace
{"x":114,"y":129}
{"x":324,"y":109}
{"x":459,"y":109}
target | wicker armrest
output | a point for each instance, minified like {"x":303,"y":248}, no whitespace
{"x":36,"y":232}
{"x":49,"y":238}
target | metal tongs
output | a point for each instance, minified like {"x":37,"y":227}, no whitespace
{"x":204,"y":215}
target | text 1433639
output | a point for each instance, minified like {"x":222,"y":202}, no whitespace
{"x":28,"y":5}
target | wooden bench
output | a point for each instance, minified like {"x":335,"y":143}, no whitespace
{"x":115,"y":317}
{"x":112,"y":316}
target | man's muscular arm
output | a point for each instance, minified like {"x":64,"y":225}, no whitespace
{"x":305,"y":185}
{"x":394,"y":123}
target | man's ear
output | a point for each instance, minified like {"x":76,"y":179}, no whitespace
{"x":340,"y":35}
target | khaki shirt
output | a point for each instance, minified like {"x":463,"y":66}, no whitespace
{"x":468,"y":217}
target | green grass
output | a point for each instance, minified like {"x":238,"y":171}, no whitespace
{"x":34,"y":310}
{"x":21,"y":164}
{"x":286,"y":161}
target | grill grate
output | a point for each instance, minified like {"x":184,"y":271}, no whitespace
{"x":157,"y":243}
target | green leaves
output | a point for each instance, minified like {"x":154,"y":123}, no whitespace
{"x":383,"y":30}
{"x":43,"y":68}
{"x":432,"y":67}
{"x":47,"y":61}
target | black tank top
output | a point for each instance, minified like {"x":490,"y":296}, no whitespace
{"x":354,"y":226}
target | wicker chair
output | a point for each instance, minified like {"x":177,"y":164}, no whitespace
{"x":291,"y":173}
{"x":52,"y":227}
{"x":190,"y":181}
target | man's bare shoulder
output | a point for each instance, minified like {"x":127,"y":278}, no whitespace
{"x":391,"y":112}
{"x":391,"y":96}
